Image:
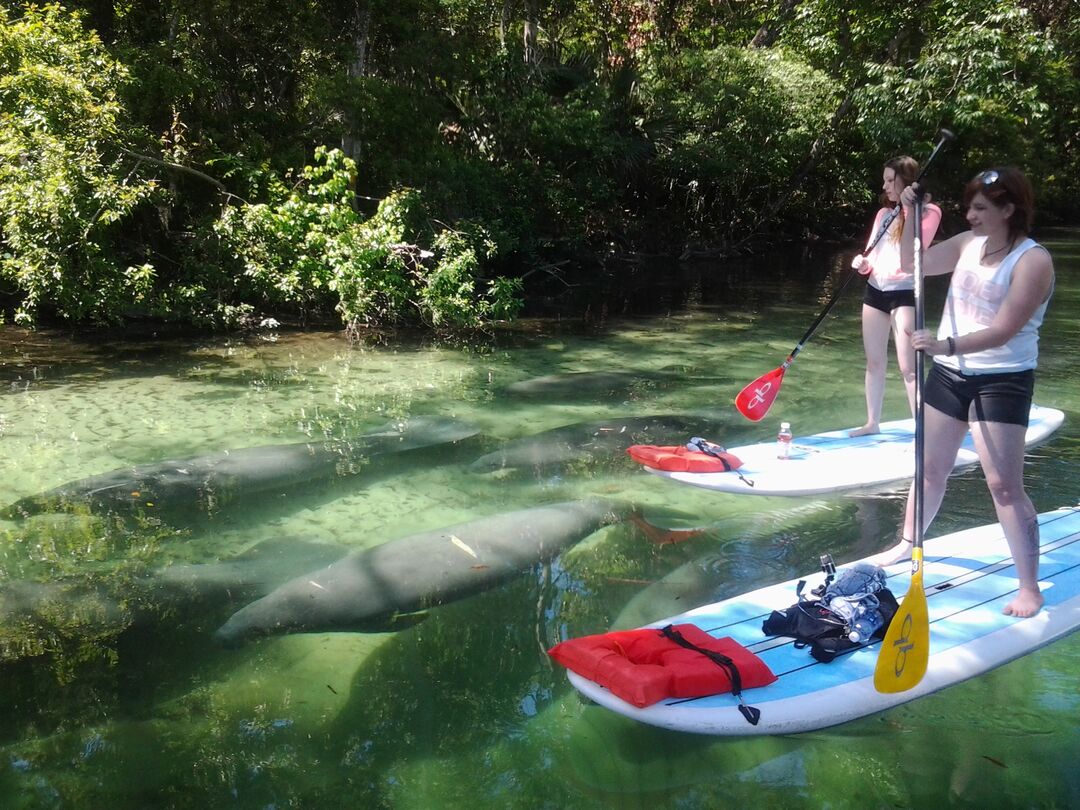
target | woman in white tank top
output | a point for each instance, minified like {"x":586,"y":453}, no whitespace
{"x":985,"y":353}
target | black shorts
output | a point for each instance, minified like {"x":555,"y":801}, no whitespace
{"x":888,"y":301}
{"x":981,"y":397}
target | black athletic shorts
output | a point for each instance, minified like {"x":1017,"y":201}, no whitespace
{"x":888,"y":301}
{"x":981,"y":397}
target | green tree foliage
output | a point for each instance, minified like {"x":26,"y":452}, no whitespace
{"x":309,"y":248}
{"x":987,"y":75}
{"x":990,"y":72}
{"x":730,"y":125}
{"x":68,"y":194}
{"x":156,"y":157}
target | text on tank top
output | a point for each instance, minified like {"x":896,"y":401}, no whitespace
{"x":976,"y":294}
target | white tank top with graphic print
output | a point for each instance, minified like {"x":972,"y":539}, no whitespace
{"x":975,"y":296}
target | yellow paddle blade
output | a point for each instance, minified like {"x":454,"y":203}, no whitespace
{"x":905,"y":651}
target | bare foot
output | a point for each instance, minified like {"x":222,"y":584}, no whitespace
{"x":869,"y":429}
{"x":1027,"y":603}
{"x":898,"y":553}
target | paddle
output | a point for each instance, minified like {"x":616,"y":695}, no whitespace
{"x":905,"y":651}
{"x":755,"y":400}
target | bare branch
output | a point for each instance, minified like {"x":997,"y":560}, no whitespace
{"x":177,"y":167}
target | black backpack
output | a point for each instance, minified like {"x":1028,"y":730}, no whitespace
{"x":813,"y":625}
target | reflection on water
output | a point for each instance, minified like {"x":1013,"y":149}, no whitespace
{"x":116,"y":695}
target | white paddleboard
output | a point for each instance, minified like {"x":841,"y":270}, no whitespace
{"x":835,"y":462}
{"x":968,"y":578}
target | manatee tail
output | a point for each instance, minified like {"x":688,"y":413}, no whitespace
{"x":228,"y":636}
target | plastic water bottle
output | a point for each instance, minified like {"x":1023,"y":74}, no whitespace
{"x":783,"y":441}
{"x":865,"y":626}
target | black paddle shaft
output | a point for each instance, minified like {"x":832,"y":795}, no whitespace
{"x":920,"y":407}
{"x":945,"y":136}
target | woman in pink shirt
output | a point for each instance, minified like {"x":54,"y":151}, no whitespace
{"x":889,"y":300}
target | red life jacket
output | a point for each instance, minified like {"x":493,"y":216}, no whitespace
{"x":682,"y":459}
{"x":644,"y":666}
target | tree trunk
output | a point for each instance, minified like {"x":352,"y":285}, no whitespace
{"x":769,"y":32}
{"x":804,"y":170}
{"x":504,"y":23}
{"x":663,"y":17}
{"x":532,"y":28}
{"x":350,"y":144}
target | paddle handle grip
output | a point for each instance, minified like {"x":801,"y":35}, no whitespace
{"x":944,"y":136}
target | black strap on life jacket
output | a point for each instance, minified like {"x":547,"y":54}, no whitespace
{"x":751,"y":714}
{"x":717,"y":451}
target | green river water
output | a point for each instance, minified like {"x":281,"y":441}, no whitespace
{"x":114,"y":697}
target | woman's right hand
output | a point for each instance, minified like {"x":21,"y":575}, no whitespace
{"x":926,"y":341}
{"x":862,"y":265}
{"x":909,"y":195}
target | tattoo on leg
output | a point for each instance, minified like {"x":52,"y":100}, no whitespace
{"x":1032,"y":532}
{"x":1031,"y":536}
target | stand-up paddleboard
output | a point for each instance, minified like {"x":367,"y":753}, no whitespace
{"x":968,"y":578}
{"x":835,"y":462}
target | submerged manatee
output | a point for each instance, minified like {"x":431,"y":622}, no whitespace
{"x":367,"y":589}
{"x":576,"y":385}
{"x":218,"y":478}
{"x":694,"y":583}
{"x":252,"y":573}
{"x":88,"y":607}
{"x":595,"y":441}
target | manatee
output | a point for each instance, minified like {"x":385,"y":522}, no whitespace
{"x":35,"y":604}
{"x":576,"y":385}
{"x":92,"y":607}
{"x":371,"y":588}
{"x":593,"y":441}
{"x":694,"y":583}
{"x":254,"y":572}
{"x":218,"y":478}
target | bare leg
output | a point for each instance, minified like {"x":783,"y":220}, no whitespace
{"x":875,"y":332}
{"x":942,"y":437}
{"x":903,"y":326}
{"x":1001,"y":451}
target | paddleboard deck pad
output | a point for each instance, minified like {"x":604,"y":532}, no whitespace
{"x":968,"y":578}
{"x":835,"y":462}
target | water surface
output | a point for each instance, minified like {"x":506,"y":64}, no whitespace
{"x":117,"y":696}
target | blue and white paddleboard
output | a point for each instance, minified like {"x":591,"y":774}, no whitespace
{"x":836,"y":462}
{"x":968,"y":578}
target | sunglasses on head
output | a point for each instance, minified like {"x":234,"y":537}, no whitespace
{"x":990,"y":177}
